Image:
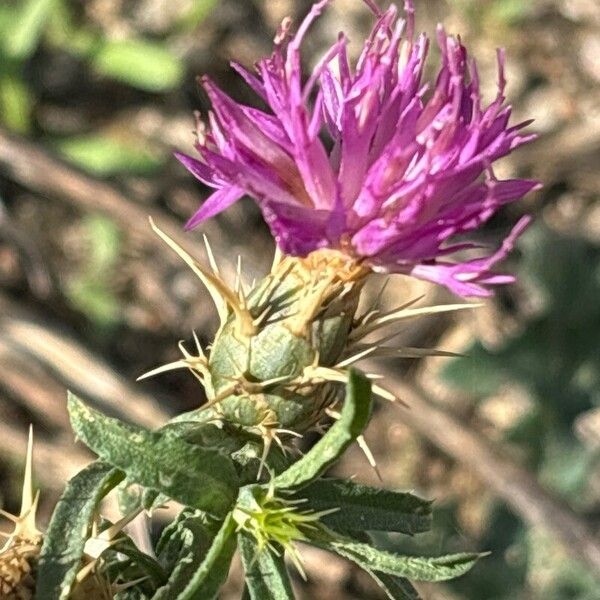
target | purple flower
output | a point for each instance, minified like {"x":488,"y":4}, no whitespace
{"x":409,"y":166}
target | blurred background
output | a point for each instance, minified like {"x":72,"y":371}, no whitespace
{"x":94,"y":97}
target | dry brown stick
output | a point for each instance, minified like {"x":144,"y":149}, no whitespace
{"x":515,"y":485}
{"x":32,"y":167}
{"x":36,"y":169}
{"x":27,"y":381}
{"x":75,"y":366}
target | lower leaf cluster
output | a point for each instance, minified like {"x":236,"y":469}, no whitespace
{"x":212,"y":472}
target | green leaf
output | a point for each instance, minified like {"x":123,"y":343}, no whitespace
{"x":91,"y":290}
{"x":22,"y":39}
{"x":417,"y":568}
{"x":396,"y":588}
{"x":65,"y":31}
{"x":15,"y":103}
{"x":354,"y":418}
{"x":195,"y":476}
{"x":139,"y":63}
{"x":266,"y":575}
{"x":210,"y":574}
{"x":190,"y":541}
{"x":197,"y":12}
{"x":104,"y":155}
{"x":124,"y":561}
{"x":365,"y":508}
{"x":61,"y":553}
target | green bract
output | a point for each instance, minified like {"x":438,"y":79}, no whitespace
{"x":273,"y":366}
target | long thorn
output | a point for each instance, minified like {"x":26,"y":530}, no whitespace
{"x":404,"y":314}
{"x":211,"y":257}
{"x":27,"y":494}
{"x":221,"y":294}
{"x":362,"y":443}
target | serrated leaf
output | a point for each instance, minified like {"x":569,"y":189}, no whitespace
{"x":196,"y":477}
{"x":209,"y":575}
{"x":354,"y":418}
{"x":65,"y":539}
{"x":190,"y":540}
{"x":142,"y":64}
{"x":365,"y":508}
{"x":265,"y":573}
{"x":418,"y":568}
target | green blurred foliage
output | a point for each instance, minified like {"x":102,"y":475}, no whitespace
{"x":554,"y":357}
{"x":197,"y":12}
{"x":138,"y":63}
{"x":505,"y":13}
{"x":91,"y":290}
{"x":16,"y":103}
{"x":149,"y":65}
{"x":103,"y":154}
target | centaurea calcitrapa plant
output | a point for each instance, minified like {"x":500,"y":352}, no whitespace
{"x":407,"y":170}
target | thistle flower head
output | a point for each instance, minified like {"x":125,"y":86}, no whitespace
{"x":408,"y":166}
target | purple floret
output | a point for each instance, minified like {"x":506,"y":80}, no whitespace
{"x":410,"y":165}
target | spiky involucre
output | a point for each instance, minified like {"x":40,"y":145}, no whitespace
{"x":283,"y":348}
{"x":302,"y":315}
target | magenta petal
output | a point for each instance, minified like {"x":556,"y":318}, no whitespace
{"x":297,"y":230}
{"x":407,"y":171}
{"x":469,"y":278}
{"x":217,"y":202}
{"x":198,"y":169}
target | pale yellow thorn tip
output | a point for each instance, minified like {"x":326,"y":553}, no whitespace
{"x":179,"y":364}
{"x":211,"y":257}
{"x":27,"y":497}
{"x":362,"y":443}
{"x":222,"y":295}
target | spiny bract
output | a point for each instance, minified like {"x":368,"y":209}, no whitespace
{"x":20,"y":553}
{"x":283,"y":348}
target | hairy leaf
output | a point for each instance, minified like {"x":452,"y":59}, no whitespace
{"x":124,"y":561}
{"x":197,"y":477}
{"x":65,"y":539}
{"x":417,"y":568}
{"x":190,"y":540}
{"x":266,"y":575}
{"x":204,"y":580}
{"x":365,"y":508}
